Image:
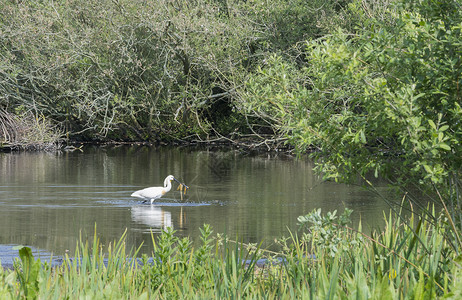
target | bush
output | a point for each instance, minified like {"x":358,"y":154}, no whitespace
{"x":383,"y":101}
{"x":125,"y":69}
{"x":28,"y":131}
{"x":146,"y":70}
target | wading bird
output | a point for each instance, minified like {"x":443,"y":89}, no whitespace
{"x":153,"y":193}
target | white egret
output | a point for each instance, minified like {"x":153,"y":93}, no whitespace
{"x":153,"y":193}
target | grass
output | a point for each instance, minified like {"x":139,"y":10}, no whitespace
{"x":325,"y":260}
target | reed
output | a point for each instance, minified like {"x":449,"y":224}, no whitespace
{"x":326,"y":259}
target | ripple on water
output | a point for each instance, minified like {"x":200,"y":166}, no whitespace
{"x":166,"y":202}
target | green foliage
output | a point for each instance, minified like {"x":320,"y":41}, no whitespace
{"x":146,"y":70}
{"x":285,"y":23}
{"x":400,"y":262}
{"x":28,"y":273}
{"x":117,"y":69}
{"x":384,"y":100}
{"x":456,"y":285}
{"x":323,"y":232}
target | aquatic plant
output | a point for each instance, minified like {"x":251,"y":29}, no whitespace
{"x":412,"y":261}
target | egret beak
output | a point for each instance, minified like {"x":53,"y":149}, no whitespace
{"x":181,"y":183}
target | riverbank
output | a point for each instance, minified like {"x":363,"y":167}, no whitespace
{"x":247,"y":145}
{"x":348,"y":264}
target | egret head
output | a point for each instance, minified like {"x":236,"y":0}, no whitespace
{"x":168,"y":179}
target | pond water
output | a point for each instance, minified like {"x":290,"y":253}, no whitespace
{"x":48,"y":200}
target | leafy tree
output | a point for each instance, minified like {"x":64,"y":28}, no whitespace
{"x":385,"y":100}
{"x":147,"y":70}
{"x":121,"y":69}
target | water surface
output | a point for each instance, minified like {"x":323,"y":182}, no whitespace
{"x":49,"y":200}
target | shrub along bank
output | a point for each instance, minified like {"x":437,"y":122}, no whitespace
{"x":149,"y":70}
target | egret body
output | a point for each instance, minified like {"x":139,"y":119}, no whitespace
{"x":153,"y":193}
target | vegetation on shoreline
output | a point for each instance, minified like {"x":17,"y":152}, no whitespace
{"x":382,"y":100}
{"x":325,"y":260}
{"x":151,"y":70}
{"x":28,"y":131}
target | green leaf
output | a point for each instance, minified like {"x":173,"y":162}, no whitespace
{"x":363,"y":136}
{"x":428,"y":169}
{"x":444,"y":146}
{"x":432,"y":124}
{"x":440,"y":136}
{"x":419,"y":289}
{"x":444,"y":128}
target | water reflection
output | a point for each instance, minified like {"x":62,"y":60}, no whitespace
{"x":153,"y":216}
